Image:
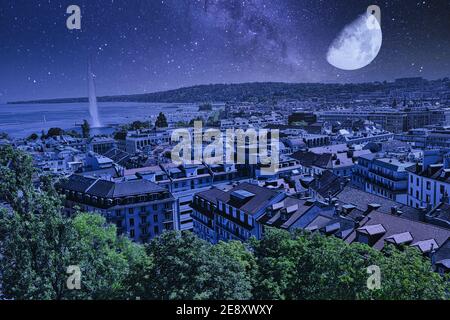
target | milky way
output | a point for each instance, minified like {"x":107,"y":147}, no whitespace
{"x":144,"y":46}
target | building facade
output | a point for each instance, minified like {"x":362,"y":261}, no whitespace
{"x":139,"y":208}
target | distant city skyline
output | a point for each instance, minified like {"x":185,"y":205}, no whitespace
{"x":149,"y":46}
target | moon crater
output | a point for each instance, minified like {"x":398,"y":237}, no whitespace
{"x":357,"y":45}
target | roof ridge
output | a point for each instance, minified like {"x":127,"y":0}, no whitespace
{"x":88,"y":188}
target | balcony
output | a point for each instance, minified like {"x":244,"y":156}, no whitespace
{"x":387,"y":175}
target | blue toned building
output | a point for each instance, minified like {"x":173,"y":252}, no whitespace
{"x":221,"y":215}
{"x":139,"y":208}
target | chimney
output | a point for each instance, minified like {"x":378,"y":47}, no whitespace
{"x":394,"y":211}
{"x":372,"y":207}
{"x":422,"y":213}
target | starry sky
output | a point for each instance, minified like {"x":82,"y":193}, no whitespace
{"x":139,"y":46}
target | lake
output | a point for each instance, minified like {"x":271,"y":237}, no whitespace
{"x":24,"y":119}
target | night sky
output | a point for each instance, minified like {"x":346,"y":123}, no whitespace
{"x":139,"y":46}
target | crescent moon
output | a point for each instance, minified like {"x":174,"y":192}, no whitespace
{"x":357,"y":45}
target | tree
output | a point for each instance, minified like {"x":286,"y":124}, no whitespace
{"x":205,"y":107}
{"x":275,"y":265}
{"x":86,"y":129}
{"x":55,"y":132}
{"x":161,"y":121}
{"x":38,"y":243}
{"x":36,"y":249}
{"x":138,"y":125}
{"x":120,"y":135}
{"x":33,"y":137}
{"x":186,"y":267}
{"x":105,"y":259}
{"x":311,"y":266}
{"x":16,"y":173}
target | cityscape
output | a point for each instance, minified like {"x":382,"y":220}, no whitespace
{"x":298,"y":180}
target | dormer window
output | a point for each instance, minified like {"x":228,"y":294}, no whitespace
{"x":400,"y":238}
{"x":370,"y":234}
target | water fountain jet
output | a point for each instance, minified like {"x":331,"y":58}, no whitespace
{"x":93,"y":107}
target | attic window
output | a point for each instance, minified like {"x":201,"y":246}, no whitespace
{"x":426,"y":246}
{"x":372,"y":230}
{"x":278,"y":206}
{"x":292,"y":209}
{"x":401,"y":238}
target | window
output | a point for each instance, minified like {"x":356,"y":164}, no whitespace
{"x":131,"y":211}
{"x":428,"y":198}
{"x":142,"y":209}
{"x":242,"y":216}
{"x":117,"y":213}
{"x":156,"y":230}
{"x":155,"y":207}
{"x":428,"y":185}
{"x":131,"y":222}
{"x":131,"y":233}
{"x":250,"y":220}
{"x":155,"y":218}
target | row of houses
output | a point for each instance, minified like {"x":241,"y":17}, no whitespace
{"x":246,"y":210}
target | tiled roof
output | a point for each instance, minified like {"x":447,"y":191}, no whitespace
{"x":361,"y":199}
{"x":328,"y":183}
{"x":400,"y":230}
{"x":109,"y":189}
{"x":262,"y":197}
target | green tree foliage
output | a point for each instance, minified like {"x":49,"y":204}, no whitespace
{"x":105,"y":260}
{"x":138,"y":125}
{"x":33,"y":137}
{"x":312,"y":266}
{"x":16,"y":173}
{"x":186,"y":267}
{"x":205,"y":107}
{"x":55,"y":132}
{"x":161,"y":121}
{"x":38,"y":243}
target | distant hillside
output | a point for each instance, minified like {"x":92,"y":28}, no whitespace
{"x":236,"y":92}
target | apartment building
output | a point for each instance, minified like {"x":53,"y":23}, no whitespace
{"x":139,"y":208}
{"x":429,"y":181}
{"x":233,"y":214}
{"x":139,"y":140}
{"x":384,"y":176}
